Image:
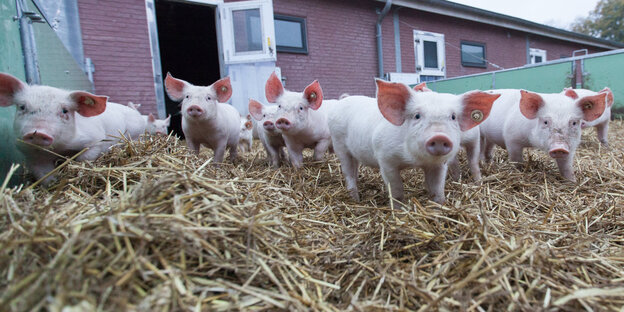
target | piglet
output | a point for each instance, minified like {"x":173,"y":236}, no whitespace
{"x":150,"y":124}
{"x":470,"y":141}
{"x":601,"y":123}
{"x":63,"y":122}
{"x":403,"y":128}
{"x":301,"y":119}
{"x":549,"y":122}
{"x":246,"y":136}
{"x":268,"y":133}
{"x":206,"y":119}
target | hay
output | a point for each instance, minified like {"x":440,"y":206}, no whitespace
{"x":150,"y":227}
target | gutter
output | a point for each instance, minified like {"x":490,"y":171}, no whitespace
{"x":380,"y":18}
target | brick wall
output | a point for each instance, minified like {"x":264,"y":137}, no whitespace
{"x":115,"y":36}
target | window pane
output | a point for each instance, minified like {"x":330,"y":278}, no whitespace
{"x":473,"y":54}
{"x":247,"y":30}
{"x":538,"y":59}
{"x":424,"y":78}
{"x":288,"y":34}
{"x":431,"y":54}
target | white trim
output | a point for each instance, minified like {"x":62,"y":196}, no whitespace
{"x":419,"y":38}
{"x":533,"y":53}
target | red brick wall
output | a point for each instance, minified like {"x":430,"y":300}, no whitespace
{"x":342,"y":47}
{"x":115,"y":36}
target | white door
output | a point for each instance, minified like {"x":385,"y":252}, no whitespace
{"x":430,"y":56}
{"x":247,"y":48}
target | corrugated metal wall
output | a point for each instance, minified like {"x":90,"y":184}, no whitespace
{"x":57,"y":68}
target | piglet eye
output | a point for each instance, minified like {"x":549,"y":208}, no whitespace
{"x":574,"y":123}
{"x":209,"y":98}
{"x":300,"y":107}
{"x":187,"y":96}
{"x":453,"y":116}
{"x":417,"y":116}
{"x":22,"y":107}
{"x":545,"y":122}
{"x":279,"y":106}
{"x":65,"y":111}
{"x":263,"y":116}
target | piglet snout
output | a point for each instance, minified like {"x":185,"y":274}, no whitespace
{"x":439,"y":145}
{"x":268,"y":125}
{"x":195,"y":111}
{"x":38,"y":138}
{"x":283,"y":124}
{"x":558,"y":151}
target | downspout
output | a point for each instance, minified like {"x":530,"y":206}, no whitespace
{"x":397,"y":40}
{"x":26,"y":18}
{"x":380,"y":18}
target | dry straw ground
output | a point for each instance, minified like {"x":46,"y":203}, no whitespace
{"x":149,"y":227}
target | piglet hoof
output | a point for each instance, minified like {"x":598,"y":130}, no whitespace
{"x":439,"y":199}
{"x":570,"y":178}
{"x":354,"y":195}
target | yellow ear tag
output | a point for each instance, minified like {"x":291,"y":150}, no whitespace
{"x":587,"y":106}
{"x":476,"y":115}
{"x":89,"y":101}
{"x":312,"y":95}
{"x":223,"y":89}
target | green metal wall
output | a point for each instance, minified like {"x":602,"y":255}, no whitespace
{"x":606,"y":71}
{"x":12,"y":62}
{"x":57,"y":68}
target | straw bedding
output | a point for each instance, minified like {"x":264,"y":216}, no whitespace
{"x":150,"y":227}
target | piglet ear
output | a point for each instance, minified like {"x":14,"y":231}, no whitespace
{"x":175,"y":88}
{"x":9,"y":85}
{"x":392,"y":99}
{"x":89,"y":105}
{"x":151,"y":118}
{"x":477,"y":106}
{"x":273,"y":88}
{"x":255,"y":109}
{"x":223,"y":87}
{"x":421,"y":87}
{"x":609,"y":95}
{"x":592,"y":106}
{"x":569,"y":92}
{"x":530,"y":103}
{"x":167,"y":120}
{"x":314,"y":94}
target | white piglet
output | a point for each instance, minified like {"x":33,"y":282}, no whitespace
{"x":470,"y":141}
{"x":206,"y":119}
{"x":63,"y":122}
{"x":245,"y":140}
{"x":150,"y":124}
{"x":601,"y":123}
{"x":269,"y":135}
{"x":301,"y":119}
{"x":549,"y":122}
{"x":403,"y":129}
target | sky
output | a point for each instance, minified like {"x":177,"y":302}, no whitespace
{"x":556,"y":13}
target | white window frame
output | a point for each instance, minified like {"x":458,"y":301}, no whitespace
{"x":419,"y":38}
{"x":537,"y":52}
{"x":227,"y":31}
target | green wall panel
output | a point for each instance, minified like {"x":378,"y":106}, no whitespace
{"x":545,"y":79}
{"x":607,"y":71}
{"x":461,"y":85}
{"x":11,"y":62}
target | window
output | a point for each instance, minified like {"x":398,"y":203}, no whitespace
{"x":247,"y":30}
{"x":290,"y":34}
{"x":473,"y":54}
{"x":537,"y":55}
{"x":430,"y":56}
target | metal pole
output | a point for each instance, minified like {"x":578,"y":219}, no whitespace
{"x":380,"y":18}
{"x":27,"y":35}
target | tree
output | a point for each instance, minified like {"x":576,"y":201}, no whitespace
{"x":606,"y":21}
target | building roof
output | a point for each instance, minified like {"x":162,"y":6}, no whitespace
{"x":461,"y":11}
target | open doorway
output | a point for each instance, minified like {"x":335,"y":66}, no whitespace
{"x":187,"y":38}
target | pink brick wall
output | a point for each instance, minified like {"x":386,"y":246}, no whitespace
{"x":115,"y":36}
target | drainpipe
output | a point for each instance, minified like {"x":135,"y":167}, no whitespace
{"x":26,"y":18}
{"x":380,"y":18}
{"x":397,"y":40}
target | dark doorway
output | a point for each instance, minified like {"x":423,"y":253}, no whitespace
{"x":187,"y":36}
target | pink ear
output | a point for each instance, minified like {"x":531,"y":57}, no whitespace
{"x":248,"y":125}
{"x":530,"y":103}
{"x":609,"y":95}
{"x":273,"y":88}
{"x":255,"y":109}
{"x":314,"y":94}
{"x":9,"y":85}
{"x":223,"y":89}
{"x":175,"y":88}
{"x":477,"y":106}
{"x":167,"y":120}
{"x":421,"y":87}
{"x":592,"y":106}
{"x":392,"y":99}
{"x":89,"y":105}
{"x":569,"y":92}
{"x":151,"y":118}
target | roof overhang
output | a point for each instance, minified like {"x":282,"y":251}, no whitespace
{"x":461,"y":11}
